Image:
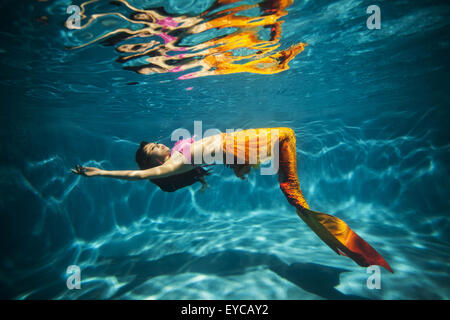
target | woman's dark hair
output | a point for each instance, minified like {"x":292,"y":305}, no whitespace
{"x":172,"y":183}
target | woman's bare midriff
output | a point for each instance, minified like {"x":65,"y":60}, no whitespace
{"x":206,"y":147}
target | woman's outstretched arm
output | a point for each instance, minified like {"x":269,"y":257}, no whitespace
{"x":175,"y":165}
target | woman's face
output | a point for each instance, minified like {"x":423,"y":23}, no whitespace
{"x":157,"y":151}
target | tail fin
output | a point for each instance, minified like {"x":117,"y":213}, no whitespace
{"x":343,"y":240}
{"x":333,"y":231}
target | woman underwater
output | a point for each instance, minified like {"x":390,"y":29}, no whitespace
{"x":242,"y":150}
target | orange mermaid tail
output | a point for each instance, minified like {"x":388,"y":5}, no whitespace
{"x":253,"y":146}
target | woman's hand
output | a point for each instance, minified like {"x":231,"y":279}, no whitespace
{"x":87,"y":171}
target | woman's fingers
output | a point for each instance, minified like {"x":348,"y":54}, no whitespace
{"x":79,"y":170}
{"x":86,"y":171}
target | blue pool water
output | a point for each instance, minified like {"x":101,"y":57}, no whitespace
{"x":370,"y":109}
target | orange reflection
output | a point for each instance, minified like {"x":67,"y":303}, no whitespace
{"x":152,"y":42}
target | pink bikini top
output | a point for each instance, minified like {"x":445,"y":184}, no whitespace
{"x":183,"y":146}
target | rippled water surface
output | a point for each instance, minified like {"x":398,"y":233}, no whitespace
{"x":370,"y":109}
